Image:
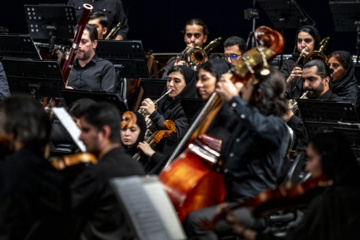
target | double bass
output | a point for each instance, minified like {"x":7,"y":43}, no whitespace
{"x":194,"y":180}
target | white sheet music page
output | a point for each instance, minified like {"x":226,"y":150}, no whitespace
{"x":70,"y":126}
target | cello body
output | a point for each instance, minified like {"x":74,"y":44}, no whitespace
{"x":200,"y":166}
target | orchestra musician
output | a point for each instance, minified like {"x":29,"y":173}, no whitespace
{"x":344,"y":82}
{"x":181,"y":80}
{"x":34,"y":197}
{"x":234,"y":48}
{"x":256,"y":149}
{"x":307,"y":40}
{"x":100,"y":21}
{"x":195,"y":35}
{"x":89,"y":72}
{"x":93,"y":200}
{"x":132,"y":138}
{"x":316,"y":80}
{"x":114,"y":10}
{"x":333,"y":214}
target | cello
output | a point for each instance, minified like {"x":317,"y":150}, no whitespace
{"x":187,"y":179}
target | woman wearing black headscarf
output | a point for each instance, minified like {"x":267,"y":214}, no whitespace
{"x":344,"y":83}
{"x":130,"y":137}
{"x":133,"y":140}
{"x":181,"y":79}
{"x":307,"y":40}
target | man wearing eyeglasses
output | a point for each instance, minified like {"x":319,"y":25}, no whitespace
{"x":234,"y":47}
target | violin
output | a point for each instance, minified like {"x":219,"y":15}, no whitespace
{"x":156,"y":137}
{"x":187,"y":178}
{"x":72,"y":160}
{"x":268,"y":202}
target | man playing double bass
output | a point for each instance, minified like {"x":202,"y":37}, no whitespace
{"x":256,"y":149}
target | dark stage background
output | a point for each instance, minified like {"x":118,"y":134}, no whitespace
{"x":158,"y":23}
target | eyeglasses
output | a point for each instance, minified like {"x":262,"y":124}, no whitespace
{"x":233,"y":57}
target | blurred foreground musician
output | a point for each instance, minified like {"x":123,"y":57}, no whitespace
{"x":113,"y":9}
{"x":247,"y":169}
{"x":195,"y":35}
{"x":334,"y":213}
{"x":93,"y":200}
{"x":34,"y":197}
{"x":89,"y":72}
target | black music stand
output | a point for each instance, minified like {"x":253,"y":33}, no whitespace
{"x":128,"y":59}
{"x":285,"y":14}
{"x":321,"y":116}
{"x":50,"y":21}
{"x":35,"y":77}
{"x":314,"y":110}
{"x":127,"y":56}
{"x":71,"y":96}
{"x":153,"y":88}
{"x":18,"y":46}
{"x":346,"y":17}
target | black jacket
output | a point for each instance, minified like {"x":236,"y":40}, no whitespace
{"x":255,"y":152}
{"x":94,"y":201}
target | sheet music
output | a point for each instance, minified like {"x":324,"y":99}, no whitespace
{"x":70,"y":126}
{"x":148,"y":207}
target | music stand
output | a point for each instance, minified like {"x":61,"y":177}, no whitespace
{"x":71,"y":96}
{"x":50,"y":21}
{"x":127,"y":56}
{"x":47,"y":20}
{"x":18,"y":46}
{"x":35,"y":77}
{"x":314,"y":110}
{"x":346,"y":17}
{"x":285,"y":14}
{"x":321,"y":116}
{"x":153,"y":88}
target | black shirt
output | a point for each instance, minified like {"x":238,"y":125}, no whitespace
{"x":97,"y":75}
{"x":113,"y":9}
